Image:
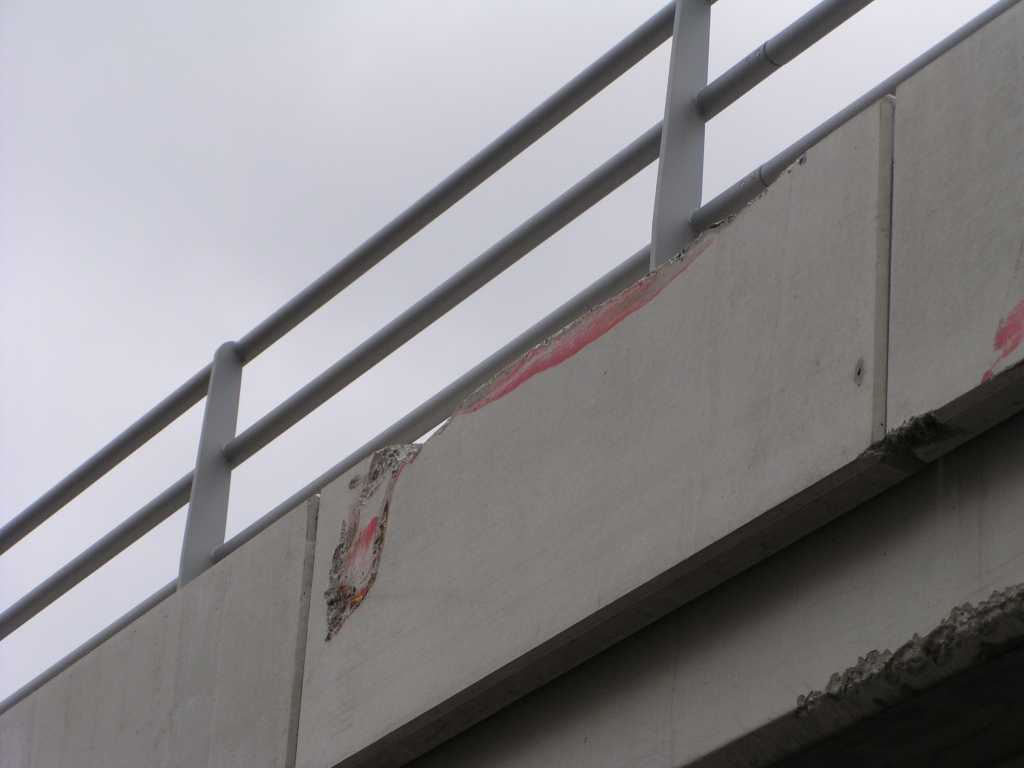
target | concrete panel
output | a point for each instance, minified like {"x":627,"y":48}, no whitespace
{"x":958,"y":235}
{"x":668,"y":440}
{"x":741,"y":656}
{"x":210,"y":677}
{"x":111,"y":708}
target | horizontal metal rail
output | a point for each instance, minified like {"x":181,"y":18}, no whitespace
{"x":495,"y":260}
{"x":574,"y":94}
{"x":442,"y":405}
{"x":115,"y":542}
{"x":781,"y":49}
{"x":116,"y":451}
{"x":563,"y":103}
{"x":90,"y":645}
{"x":746,"y":189}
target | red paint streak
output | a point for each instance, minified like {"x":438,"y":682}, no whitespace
{"x":1009,"y":335}
{"x":362,"y":547}
{"x":592,"y":327}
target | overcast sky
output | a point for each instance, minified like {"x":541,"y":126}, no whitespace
{"x":172,"y":172}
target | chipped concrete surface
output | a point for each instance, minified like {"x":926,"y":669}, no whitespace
{"x":916,"y":434}
{"x":356,"y":559}
{"x":952,"y":698}
{"x":971,"y":635}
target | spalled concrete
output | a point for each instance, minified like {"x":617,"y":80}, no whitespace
{"x":725,"y":681}
{"x":210,"y":677}
{"x":708,"y":416}
{"x":958,"y":237}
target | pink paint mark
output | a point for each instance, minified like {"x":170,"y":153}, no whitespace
{"x":586,"y":331}
{"x":357,"y":557}
{"x":360,"y":557}
{"x":1009,"y":335}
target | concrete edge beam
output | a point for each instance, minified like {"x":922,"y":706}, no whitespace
{"x":924,"y":704}
{"x":729,"y":552}
{"x":870,"y":475}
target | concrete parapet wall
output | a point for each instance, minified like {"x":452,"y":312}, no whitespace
{"x":958,"y":236}
{"x":699,"y":687}
{"x":669,"y":426}
{"x":861,"y":318}
{"x":210,"y":677}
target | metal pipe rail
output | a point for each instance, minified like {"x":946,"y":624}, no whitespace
{"x":733,"y":199}
{"x":449,"y":294}
{"x":100,"y":553}
{"x":116,"y":451}
{"x":574,"y":94}
{"x":442,"y":405}
{"x":708,"y":100}
{"x":774,"y":53}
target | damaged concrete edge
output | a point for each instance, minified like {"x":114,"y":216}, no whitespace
{"x":583,"y":331}
{"x":931,"y":435}
{"x":867,"y":476}
{"x":879,"y":681}
{"x":356,"y":558}
{"x":600,"y":319}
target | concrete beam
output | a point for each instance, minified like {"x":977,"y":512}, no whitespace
{"x":729,"y":680}
{"x":210,"y":677}
{"x":720,"y":409}
{"x":958,"y":240}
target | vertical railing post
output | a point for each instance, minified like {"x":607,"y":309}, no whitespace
{"x":681,"y":166}
{"x":211,"y":483}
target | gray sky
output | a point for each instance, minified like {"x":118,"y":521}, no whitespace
{"x":172,"y":172}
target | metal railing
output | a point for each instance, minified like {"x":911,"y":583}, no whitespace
{"x":678,"y":218}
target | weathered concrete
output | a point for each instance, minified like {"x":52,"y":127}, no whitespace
{"x":210,"y":677}
{"x":711,"y":684}
{"x":652,"y":450}
{"x":958,"y":237}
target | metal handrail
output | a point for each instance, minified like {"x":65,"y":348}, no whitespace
{"x":104,"y":460}
{"x":495,"y":260}
{"x":591,"y":81}
{"x":710,"y":100}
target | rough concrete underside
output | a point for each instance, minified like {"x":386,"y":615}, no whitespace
{"x":951,"y":699}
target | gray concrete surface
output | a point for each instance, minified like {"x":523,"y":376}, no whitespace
{"x":958,"y":228}
{"x":638,"y":448}
{"x":738,"y":658}
{"x":210,"y":677}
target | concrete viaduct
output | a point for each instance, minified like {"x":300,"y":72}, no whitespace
{"x":764,"y":508}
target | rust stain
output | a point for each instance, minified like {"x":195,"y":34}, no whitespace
{"x":357,"y":557}
{"x":582,"y":333}
{"x":1009,"y":335}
